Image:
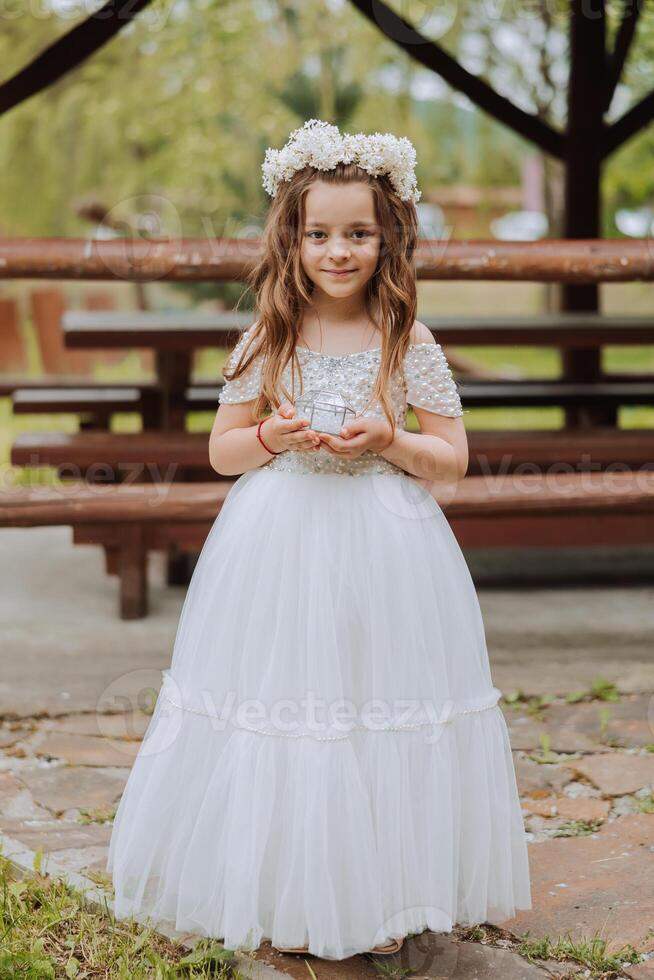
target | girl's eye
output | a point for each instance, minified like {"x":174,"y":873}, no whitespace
{"x":359,"y":231}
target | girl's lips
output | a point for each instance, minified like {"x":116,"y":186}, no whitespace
{"x":333,"y":272}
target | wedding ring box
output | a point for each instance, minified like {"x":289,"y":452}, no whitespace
{"x":326,"y":410}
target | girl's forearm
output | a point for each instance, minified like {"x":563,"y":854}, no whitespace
{"x":237,"y":451}
{"x":424,"y":455}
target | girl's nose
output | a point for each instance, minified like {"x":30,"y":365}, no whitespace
{"x":340,"y":249}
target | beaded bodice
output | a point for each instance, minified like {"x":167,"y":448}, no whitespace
{"x":427,"y":383}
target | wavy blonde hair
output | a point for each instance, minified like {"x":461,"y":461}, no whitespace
{"x":281,"y":286}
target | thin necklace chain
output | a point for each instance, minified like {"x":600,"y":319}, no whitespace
{"x":370,"y":323}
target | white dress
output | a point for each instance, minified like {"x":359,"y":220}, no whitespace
{"x":327,"y":763}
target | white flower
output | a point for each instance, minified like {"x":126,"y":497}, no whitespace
{"x":320,"y":145}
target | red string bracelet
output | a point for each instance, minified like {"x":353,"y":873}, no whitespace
{"x":272,"y":451}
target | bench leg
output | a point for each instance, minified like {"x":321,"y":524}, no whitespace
{"x":132,"y":569}
{"x":179,"y":567}
{"x":111,"y":560}
{"x":98,"y":421}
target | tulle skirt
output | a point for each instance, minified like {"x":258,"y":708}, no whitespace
{"x":327,"y":763}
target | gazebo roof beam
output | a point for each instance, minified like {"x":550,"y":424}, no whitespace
{"x":67,"y":52}
{"x":624,"y":38}
{"x":628,"y":125}
{"x":432,"y":56}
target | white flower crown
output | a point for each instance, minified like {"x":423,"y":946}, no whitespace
{"x":320,"y":145}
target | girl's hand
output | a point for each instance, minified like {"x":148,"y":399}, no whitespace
{"x":282,"y":431}
{"x":359,"y":436}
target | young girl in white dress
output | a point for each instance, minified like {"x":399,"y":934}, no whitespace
{"x":327,"y":765}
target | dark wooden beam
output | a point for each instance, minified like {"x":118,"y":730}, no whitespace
{"x":624,"y":38}
{"x":628,"y":125}
{"x":203,"y":260}
{"x":585,"y":132}
{"x":69,"y":51}
{"x":431,"y":55}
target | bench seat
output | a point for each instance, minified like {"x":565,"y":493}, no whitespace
{"x":568,"y":509}
{"x":490,"y":451}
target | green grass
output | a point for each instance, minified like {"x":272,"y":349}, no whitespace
{"x":590,"y":953}
{"x":47,"y":931}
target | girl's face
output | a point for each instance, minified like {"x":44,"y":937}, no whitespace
{"x":340,"y":234}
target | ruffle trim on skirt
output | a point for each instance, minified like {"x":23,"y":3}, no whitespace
{"x":338,"y":846}
{"x":432,"y":715}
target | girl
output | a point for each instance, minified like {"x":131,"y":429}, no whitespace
{"x":327,"y":765}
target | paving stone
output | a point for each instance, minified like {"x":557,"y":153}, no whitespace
{"x":82,"y":859}
{"x":618,"y":772}
{"x":556,"y":969}
{"x":16,"y":801}
{"x":599,"y":883}
{"x":538,"y":776}
{"x":438,"y":956}
{"x":9,"y":737}
{"x":87,"y":750}
{"x":524,"y":730}
{"x":570,"y":808}
{"x":56,"y":835}
{"x":65,"y":787}
{"x":640,"y":971}
{"x":9,"y":787}
{"x":428,"y":956}
{"x":289,"y":965}
{"x":130,"y":725}
{"x":630,"y":720}
{"x":525,"y":733}
{"x":578,"y":790}
{"x":541,"y":827}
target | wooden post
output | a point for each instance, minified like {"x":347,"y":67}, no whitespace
{"x":12,"y":346}
{"x":132,"y":569}
{"x":583,"y":186}
{"x":47,"y":307}
{"x":100,"y":299}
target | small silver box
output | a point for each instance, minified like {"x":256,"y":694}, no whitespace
{"x":326,"y":410}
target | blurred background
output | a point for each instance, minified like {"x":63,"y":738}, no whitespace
{"x":163,"y":130}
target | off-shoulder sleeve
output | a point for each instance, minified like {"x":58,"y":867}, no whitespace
{"x":429,"y":380}
{"x":246,"y":387}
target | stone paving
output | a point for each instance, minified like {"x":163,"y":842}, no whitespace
{"x":584,"y":762}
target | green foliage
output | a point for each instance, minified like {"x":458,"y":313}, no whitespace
{"x":591,"y":953}
{"x":181,"y":105}
{"x":48,"y":931}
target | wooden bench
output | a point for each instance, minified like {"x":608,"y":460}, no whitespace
{"x":98,"y":403}
{"x":165,"y":455}
{"x":564,"y":394}
{"x":180,"y":330}
{"x":127,"y":521}
{"x":526,"y":510}
{"x":114,"y":449}
{"x":47,"y":382}
{"x":554,"y":510}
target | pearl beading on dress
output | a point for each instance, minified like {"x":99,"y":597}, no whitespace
{"x":454,"y":713}
{"x":428,"y":384}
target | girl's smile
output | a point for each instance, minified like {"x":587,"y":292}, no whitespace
{"x":340,"y":243}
